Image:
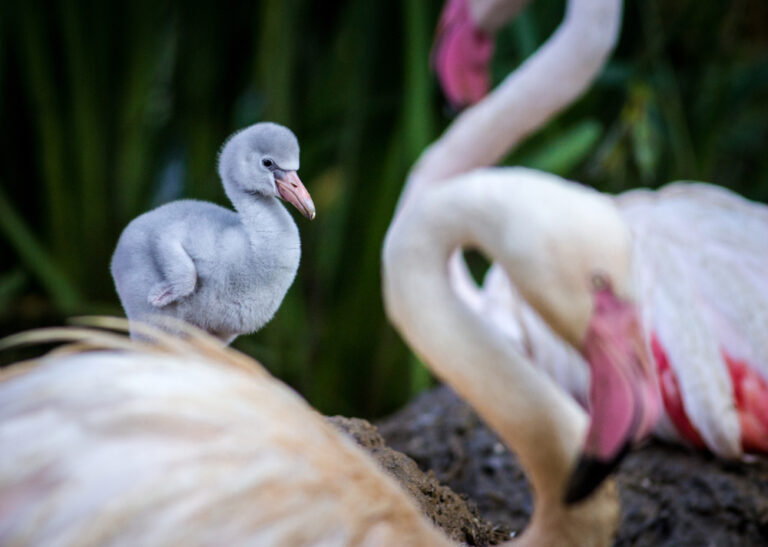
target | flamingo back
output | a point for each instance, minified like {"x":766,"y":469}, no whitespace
{"x":146,"y":448}
{"x":701,"y":265}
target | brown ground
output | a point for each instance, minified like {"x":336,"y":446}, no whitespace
{"x":459,"y":519}
{"x":670,"y":496}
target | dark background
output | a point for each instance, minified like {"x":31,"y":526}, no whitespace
{"x":109,"y":109}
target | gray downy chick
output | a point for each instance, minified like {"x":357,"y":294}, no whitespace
{"x":223,"y":271}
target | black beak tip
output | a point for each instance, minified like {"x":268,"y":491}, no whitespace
{"x":589,"y":473}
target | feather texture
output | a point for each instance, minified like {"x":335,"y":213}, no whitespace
{"x":188,"y":443}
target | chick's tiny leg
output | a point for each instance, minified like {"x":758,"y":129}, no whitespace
{"x":178,"y":272}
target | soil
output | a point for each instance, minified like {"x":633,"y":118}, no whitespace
{"x":471,"y":485}
{"x":458,"y":517}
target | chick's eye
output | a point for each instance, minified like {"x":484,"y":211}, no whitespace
{"x":266,"y":162}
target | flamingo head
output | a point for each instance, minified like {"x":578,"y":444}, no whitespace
{"x":461,"y":55}
{"x":262,"y":160}
{"x":624,"y":400}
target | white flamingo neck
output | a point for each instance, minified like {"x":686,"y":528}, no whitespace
{"x":550,"y":80}
{"x":546,"y":252}
{"x":537,"y":420}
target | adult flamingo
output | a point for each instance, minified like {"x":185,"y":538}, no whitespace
{"x":112,"y":441}
{"x":700,"y":252}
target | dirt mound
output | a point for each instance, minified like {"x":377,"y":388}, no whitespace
{"x":458,"y":518}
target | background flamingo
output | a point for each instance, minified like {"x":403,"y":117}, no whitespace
{"x":700,"y":252}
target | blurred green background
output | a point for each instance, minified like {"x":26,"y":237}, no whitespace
{"x":110,"y":109}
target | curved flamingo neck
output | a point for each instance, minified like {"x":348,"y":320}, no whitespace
{"x":551,"y":255}
{"x":537,"y":420}
{"x":555,"y":76}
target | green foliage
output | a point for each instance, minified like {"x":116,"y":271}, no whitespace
{"x":113,"y":108}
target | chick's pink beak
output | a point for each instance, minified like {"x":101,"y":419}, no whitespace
{"x":292,"y":190}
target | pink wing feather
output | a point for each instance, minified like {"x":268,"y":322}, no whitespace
{"x":702,"y":269}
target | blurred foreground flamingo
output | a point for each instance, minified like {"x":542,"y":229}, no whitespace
{"x":700,"y":252}
{"x":111,"y":441}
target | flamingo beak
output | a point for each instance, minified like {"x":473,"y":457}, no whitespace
{"x":625,"y":402}
{"x":461,"y":55}
{"x":292,"y":190}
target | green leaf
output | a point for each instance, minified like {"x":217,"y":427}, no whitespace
{"x":564,"y":151}
{"x":36,"y":259}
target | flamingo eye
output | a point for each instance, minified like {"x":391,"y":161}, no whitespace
{"x":268,"y":163}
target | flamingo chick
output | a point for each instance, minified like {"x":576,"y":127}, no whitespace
{"x":223,"y":271}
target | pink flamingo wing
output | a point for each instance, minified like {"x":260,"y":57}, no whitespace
{"x":701,"y":257}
